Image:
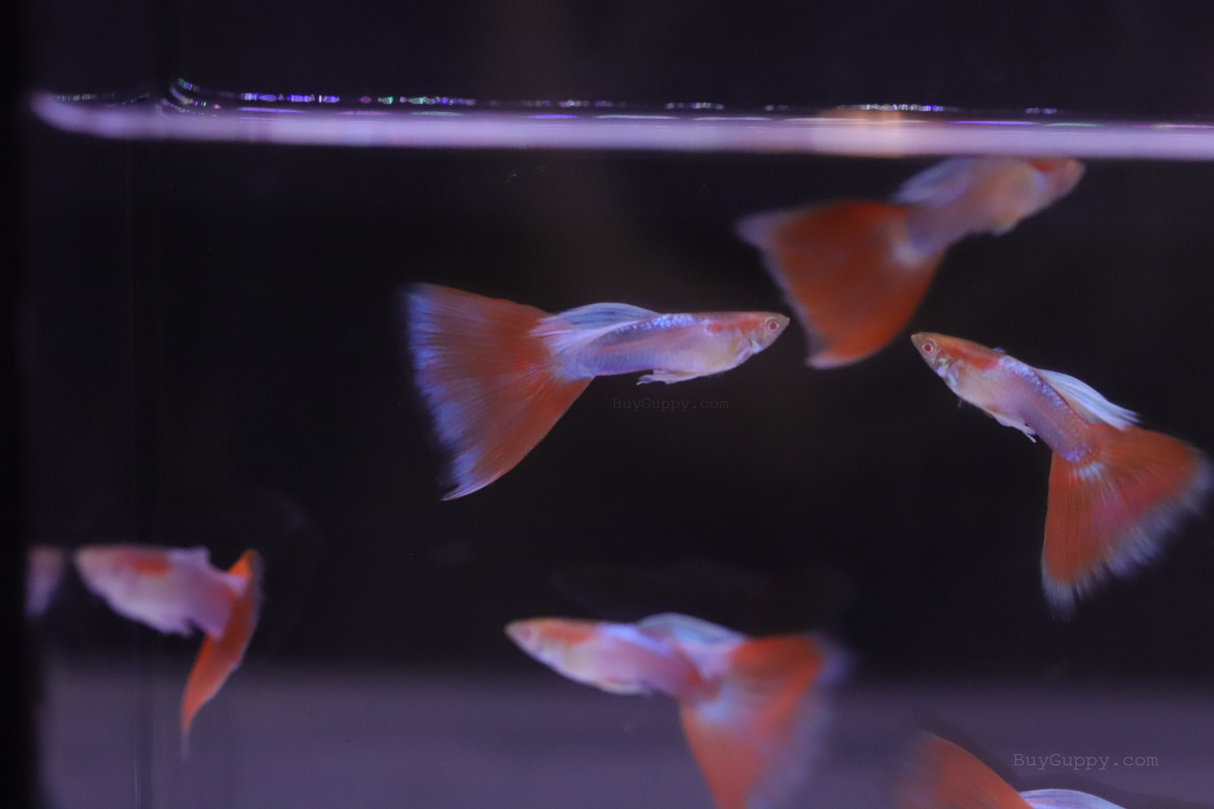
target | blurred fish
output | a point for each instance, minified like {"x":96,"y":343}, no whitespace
{"x":496,"y":376}
{"x":175,"y":590}
{"x":44,"y":571}
{"x":1115,"y":491}
{"x":751,"y":709}
{"x":854,"y":272}
{"x":944,"y":776}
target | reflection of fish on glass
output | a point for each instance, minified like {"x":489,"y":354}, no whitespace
{"x":496,"y":376}
{"x":854,"y":272}
{"x":752,"y":708}
{"x":942,"y":775}
{"x":177,"y":590}
{"x":1116,"y":490}
{"x":44,"y":571}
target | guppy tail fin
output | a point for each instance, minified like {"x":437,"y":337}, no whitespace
{"x":847,"y":270}
{"x":941,"y":775}
{"x":220,"y":655}
{"x":1109,"y":512}
{"x":756,"y":732}
{"x":490,"y":383}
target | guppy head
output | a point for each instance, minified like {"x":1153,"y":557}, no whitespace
{"x":549,"y":640}
{"x":119,"y":570}
{"x":1059,"y":176}
{"x":758,"y":331}
{"x":937,"y":351}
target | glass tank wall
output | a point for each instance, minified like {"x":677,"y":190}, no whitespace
{"x":214,"y":349}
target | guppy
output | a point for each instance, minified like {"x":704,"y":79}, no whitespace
{"x":496,"y":375}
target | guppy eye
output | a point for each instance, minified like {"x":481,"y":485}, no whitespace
{"x":772,"y":325}
{"x":929,"y":347}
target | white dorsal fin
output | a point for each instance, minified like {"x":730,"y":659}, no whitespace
{"x":939,"y":185}
{"x":197,"y":557}
{"x":1065,"y":799}
{"x":585,"y":324}
{"x":685,"y":629}
{"x":598,"y":315}
{"x":706,"y":644}
{"x":1087,"y":402}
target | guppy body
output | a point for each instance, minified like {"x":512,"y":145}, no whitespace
{"x":675,"y":347}
{"x":1014,"y":393}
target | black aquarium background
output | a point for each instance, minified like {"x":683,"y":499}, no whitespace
{"x":209,"y":347}
{"x":266,"y":367}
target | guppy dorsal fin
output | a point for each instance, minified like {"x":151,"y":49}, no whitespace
{"x":939,"y":185}
{"x":574,"y":328}
{"x":1087,"y":402}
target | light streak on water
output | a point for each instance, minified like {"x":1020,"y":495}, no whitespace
{"x":188,"y":112}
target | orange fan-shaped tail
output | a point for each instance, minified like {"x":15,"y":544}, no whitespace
{"x":492,"y":386}
{"x":941,"y":775}
{"x":220,"y":656}
{"x":1110,"y":511}
{"x":848,"y":271}
{"x":755,"y":737}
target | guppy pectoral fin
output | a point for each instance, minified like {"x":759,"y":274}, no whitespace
{"x":669,"y":377}
{"x":1009,"y":421}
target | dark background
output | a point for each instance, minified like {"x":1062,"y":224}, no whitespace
{"x":210,"y":353}
{"x":213,"y":358}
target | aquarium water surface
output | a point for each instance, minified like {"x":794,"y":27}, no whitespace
{"x":222,"y":347}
